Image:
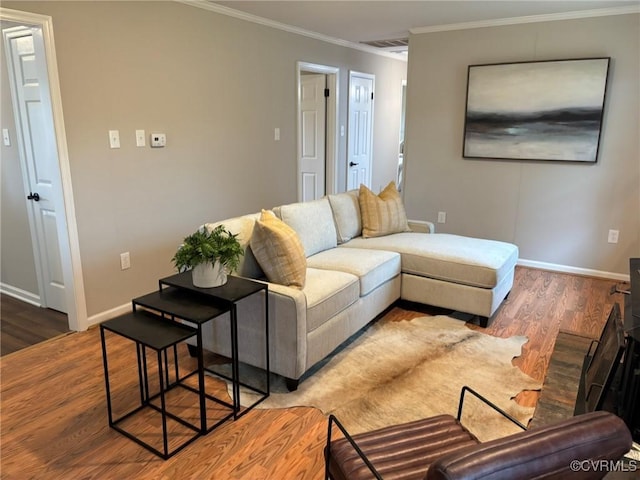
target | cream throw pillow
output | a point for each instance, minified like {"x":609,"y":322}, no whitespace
{"x":279,"y":251}
{"x":346,"y":212}
{"x":382,"y":214}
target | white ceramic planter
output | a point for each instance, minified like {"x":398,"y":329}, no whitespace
{"x":207,"y":275}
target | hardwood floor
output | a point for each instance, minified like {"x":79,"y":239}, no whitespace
{"x":23,"y":325}
{"x":54,"y":416}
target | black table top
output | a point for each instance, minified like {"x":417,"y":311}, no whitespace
{"x":234,"y":290}
{"x":185,"y":304}
{"x":149,"y":329}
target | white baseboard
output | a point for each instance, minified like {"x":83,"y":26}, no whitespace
{"x":21,"y":295}
{"x":554,"y":267}
{"x":109,"y":314}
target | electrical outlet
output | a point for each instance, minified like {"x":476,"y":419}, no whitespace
{"x":5,"y":137}
{"x":442,"y":217}
{"x":125,"y":261}
{"x":613,"y":236}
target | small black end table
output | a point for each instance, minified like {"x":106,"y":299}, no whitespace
{"x":178,"y":298}
{"x":149,"y":330}
{"x":177,"y":304}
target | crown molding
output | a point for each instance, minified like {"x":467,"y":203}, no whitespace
{"x":552,"y":17}
{"x":214,"y":7}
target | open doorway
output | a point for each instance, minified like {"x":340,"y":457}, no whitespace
{"x":317,"y":123}
{"x":39,"y":145}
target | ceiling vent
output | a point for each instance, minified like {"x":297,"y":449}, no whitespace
{"x":395,"y":45}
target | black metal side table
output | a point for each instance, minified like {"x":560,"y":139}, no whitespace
{"x":180,"y":304}
{"x":149,"y":330}
{"x":180,"y":299}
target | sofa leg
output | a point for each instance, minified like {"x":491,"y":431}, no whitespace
{"x":292,"y":384}
{"x":484,"y":321}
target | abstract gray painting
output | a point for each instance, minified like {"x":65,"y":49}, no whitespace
{"x":547,"y":110}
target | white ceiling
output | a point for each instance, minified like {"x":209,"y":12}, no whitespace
{"x":357,"y":21}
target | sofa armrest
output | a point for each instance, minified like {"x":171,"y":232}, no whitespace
{"x":288,"y":330}
{"x":422,"y":226}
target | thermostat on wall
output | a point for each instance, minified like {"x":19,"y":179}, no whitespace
{"x":158,"y":140}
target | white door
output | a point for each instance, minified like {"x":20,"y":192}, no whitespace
{"x":36,"y":137}
{"x":312,"y":136}
{"x":360,"y":128}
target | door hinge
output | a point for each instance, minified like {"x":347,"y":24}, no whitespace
{"x":371,"y":95}
{"x":326,"y":92}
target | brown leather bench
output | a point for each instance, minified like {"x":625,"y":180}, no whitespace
{"x":440,"y":447}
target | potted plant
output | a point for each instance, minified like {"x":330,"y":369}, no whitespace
{"x":210,"y":254}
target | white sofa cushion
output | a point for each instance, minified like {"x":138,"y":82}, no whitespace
{"x":346,"y":214}
{"x":372,"y":267}
{"x":328,"y":292}
{"x":243,"y":227}
{"x":452,"y":258}
{"x":313,"y":222}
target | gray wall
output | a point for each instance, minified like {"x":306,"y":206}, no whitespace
{"x":217,"y":87}
{"x":17,"y":266}
{"x":557,"y":213}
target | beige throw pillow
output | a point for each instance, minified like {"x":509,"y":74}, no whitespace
{"x":382,"y":214}
{"x":279,"y":251}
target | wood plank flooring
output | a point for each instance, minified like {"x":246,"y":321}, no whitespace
{"x":23,"y":324}
{"x":53,"y":418}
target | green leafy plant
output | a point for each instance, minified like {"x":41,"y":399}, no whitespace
{"x":208,"y":246}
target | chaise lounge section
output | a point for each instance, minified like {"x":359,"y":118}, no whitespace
{"x":353,"y":273}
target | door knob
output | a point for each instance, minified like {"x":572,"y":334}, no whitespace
{"x":352,"y":164}
{"x":33,"y":196}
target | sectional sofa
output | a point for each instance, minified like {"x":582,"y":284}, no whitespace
{"x":352,"y":274}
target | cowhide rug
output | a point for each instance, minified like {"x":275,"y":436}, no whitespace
{"x":398,"y":371}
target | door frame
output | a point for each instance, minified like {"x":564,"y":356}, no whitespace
{"x":63,"y":193}
{"x":403,"y":135}
{"x":331,"y":131}
{"x":23,"y":137}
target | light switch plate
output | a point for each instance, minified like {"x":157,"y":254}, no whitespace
{"x":140,"y":140}
{"x":114,"y":138}
{"x":125,"y":261}
{"x":5,"y":137}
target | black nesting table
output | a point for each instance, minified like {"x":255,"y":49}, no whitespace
{"x":156,"y":322}
{"x":149,"y":330}
{"x":179,"y":299}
